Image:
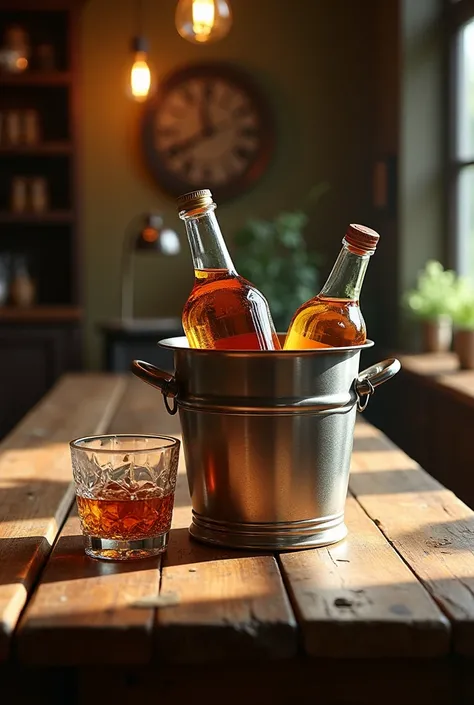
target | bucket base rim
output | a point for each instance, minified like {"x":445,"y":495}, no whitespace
{"x":289,"y":536}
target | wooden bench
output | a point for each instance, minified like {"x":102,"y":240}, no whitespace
{"x":427,"y":410}
{"x":386,"y":616}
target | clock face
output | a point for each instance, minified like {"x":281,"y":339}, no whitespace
{"x":208,"y":128}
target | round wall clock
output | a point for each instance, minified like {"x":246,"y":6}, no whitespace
{"x":208,"y":127}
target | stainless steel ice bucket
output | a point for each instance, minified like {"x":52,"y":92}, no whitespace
{"x":267,"y":438}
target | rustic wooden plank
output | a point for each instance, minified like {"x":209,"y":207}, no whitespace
{"x":35,"y":482}
{"x":357,"y":599}
{"x":430,"y":364}
{"x":232,"y":604}
{"x":82,"y":612}
{"x":428,"y":525}
{"x":143,"y":411}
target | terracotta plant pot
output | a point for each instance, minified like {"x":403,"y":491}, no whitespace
{"x":437,"y":334}
{"x":464,"y":348}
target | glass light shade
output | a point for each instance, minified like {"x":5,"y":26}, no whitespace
{"x":140,"y":77}
{"x":154,"y":237}
{"x":203,"y":21}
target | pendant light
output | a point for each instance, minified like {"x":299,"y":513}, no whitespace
{"x":203,"y":21}
{"x":140,"y":74}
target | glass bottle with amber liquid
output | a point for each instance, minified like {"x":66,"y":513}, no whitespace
{"x":224,"y":310}
{"x":333,"y":318}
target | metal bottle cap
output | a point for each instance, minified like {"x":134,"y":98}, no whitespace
{"x":361,"y":240}
{"x":194,"y":199}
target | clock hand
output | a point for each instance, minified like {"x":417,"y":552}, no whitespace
{"x":186,"y":144}
{"x":175,"y":149}
{"x":206,"y":132}
{"x":207,"y":127}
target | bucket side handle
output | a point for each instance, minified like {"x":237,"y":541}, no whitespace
{"x":163,"y":381}
{"x":372,"y":377}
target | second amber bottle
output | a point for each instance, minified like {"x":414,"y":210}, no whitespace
{"x":333,"y":318}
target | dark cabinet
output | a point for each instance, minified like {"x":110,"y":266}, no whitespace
{"x":32,"y":357}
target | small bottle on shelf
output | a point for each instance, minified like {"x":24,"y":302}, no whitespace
{"x":19,"y":194}
{"x":22,"y":286}
{"x":333,"y":318}
{"x":31,"y":127}
{"x":12,"y":131}
{"x":39,"y":200}
{"x":224,"y":310}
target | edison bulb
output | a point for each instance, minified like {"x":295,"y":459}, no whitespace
{"x":140,"y":77}
{"x":203,"y":21}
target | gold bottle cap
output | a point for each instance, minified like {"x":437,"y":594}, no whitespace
{"x":361,"y":240}
{"x":194,"y":199}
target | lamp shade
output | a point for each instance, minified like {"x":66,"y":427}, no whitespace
{"x":153,"y":237}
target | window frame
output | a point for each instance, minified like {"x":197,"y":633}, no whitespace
{"x":457,"y":13}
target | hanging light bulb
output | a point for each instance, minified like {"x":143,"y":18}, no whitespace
{"x":203,"y":21}
{"x":140,"y":75}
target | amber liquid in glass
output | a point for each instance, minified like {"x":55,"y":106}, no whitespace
{"x":225,"y":312}
{"x":125,"y":519}
{"x":325,"y":322}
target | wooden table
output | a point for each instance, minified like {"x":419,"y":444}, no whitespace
{"x":386,"y":616}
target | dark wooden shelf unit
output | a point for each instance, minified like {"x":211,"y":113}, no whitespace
{"x":41,"y":149}
{"x":35,"y":314}
{"x":41,"y":342}
{"x":46,"y":218}
{"x":37,"y":78}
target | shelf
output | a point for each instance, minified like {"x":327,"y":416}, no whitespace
{"x":37,"y":314}
{"x":47,"y":148}
{"x":36,"y":78}
{"x":36,"y":218}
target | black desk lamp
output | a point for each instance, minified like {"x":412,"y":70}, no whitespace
{"x":144,"y":234}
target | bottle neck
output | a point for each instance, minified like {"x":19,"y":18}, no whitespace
{"x":208,"y":248}
{"x":347,"y":276}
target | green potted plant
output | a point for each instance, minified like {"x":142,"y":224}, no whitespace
{"x":433,"y":302}
{"x":273,"y":254}
{"x":463,"y":320}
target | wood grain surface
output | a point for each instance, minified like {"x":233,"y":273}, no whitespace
{"x":35,"y":482}
{"x":431,"y":529}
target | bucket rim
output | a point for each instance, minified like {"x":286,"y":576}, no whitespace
{"x":181,"y":343}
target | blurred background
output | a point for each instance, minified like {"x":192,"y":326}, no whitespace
{"x":358,"y":111}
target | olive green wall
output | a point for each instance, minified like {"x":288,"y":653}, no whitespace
{"x":313,"y":59}
{"x":421,"y":194}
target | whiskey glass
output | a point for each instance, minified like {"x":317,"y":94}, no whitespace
{"x":125,"y":487}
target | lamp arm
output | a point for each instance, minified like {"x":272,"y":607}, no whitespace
{"x":127,"y":282}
